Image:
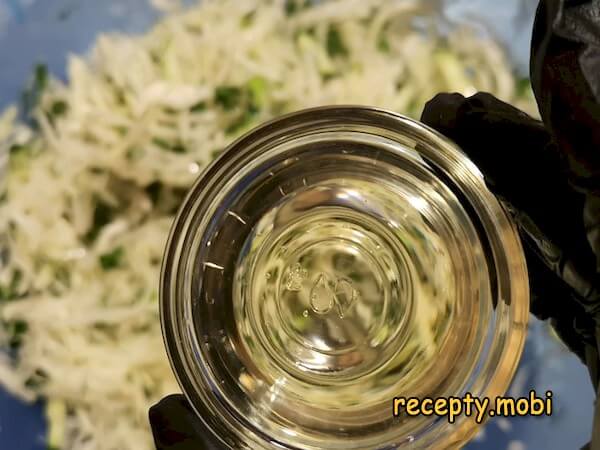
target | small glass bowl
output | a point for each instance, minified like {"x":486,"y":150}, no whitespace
{"x":329,"y":261}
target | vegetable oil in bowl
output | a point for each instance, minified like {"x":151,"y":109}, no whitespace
{"x":330,"y":261}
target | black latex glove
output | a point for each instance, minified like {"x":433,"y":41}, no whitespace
{"x":176,"y":427}
{"x":547,"y":172}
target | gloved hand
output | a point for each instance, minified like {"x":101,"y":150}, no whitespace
{"x":176,"y":426}
{"x":548,"y":175}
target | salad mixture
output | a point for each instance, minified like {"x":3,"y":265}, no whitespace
{"x":96,"y":168}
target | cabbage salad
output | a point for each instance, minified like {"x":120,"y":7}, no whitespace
{"x":97,"y":166}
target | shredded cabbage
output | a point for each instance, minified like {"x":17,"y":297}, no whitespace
{"x":96,"y":175}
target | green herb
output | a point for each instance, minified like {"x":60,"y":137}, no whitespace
{"x":37,"y":85}
{"x":257,"y":88}
{"x":175,"y":147}
{"x":40,"y":76}
{"x":178,"y":148}
{"x":153,"y":190}
{"x":523,"y":87}
{"x":20,"y":156}
{"x":383,"y":44}
{"x":120,"y":97}
{"x":103,"y":215}
{"x":104,"y":327}
{"x":155,"y":261}
{"x":59,"y":108}
{"x":216,"y":153}
{"x":303,"y":33}
{"x":247,"y":19}
{"x":148,"y":392}
{"x":295,"y":6}
{"x":62,"y":275}
{"x":36,"y":380}
{"x":161,"y":143}
{"x":17,"y":148}
{"x":228,"y":96}
{"x":335,"y":44}
{"x":10,"y":292}
{"x":16,"y":279}
{"x":16,"y":329}
{"x":121,"y":130}
{"x":176,"y":196}
{"x":279,"y":107}
{"x":155,"y":57}
{"x":198,"y":107}
{"x":242,"y":122}
{"x":414,"y":108}
{"x":252,"y":96}
{"x":291,"y":7}
{"x":134,"y":153}
{"x":112,"y":259}
{"x":329,"y":76}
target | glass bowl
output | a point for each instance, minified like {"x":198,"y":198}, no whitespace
{"x":47,"y":31}
{"x":329,"y":261}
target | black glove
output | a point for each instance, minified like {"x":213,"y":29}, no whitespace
{"x":548,"y":173}
{"x":176,"y":426}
